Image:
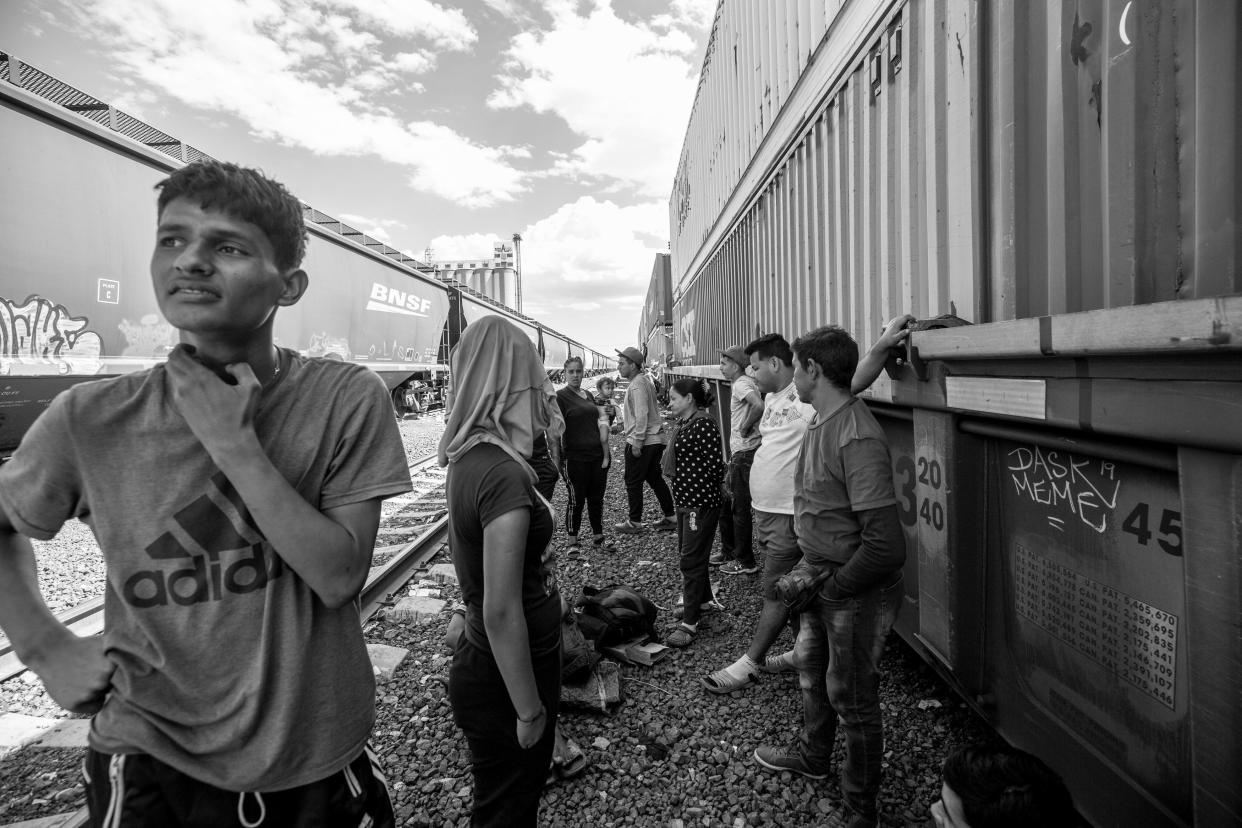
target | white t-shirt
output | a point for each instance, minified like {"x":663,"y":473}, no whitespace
{"x":784,"y":421}
{"x":739,"y":407}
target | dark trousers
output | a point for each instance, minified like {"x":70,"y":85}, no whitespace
{"x":587,"y":482}
{"x":507,"y":779}
{"x":646,"y":469}
{"x":139,"y":790}
{"x":696,"y":529}
{"x":737,"y":524}
{"x":839,"y":646}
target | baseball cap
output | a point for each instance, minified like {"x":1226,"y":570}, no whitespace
{"x":738,"y":354}
{"x":633,"y":355}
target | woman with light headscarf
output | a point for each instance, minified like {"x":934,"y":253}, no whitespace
{"x":504,"y":683}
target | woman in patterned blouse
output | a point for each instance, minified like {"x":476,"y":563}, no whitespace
{"x":696,"y":463}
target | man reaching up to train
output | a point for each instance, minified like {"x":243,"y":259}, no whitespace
{"x":845,"y":516}
{"x":235,"y":493}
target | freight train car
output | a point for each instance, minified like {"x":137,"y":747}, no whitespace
{"x":655,"y":327}
{"x":75,"y":236}
{"x":1068,"y":467}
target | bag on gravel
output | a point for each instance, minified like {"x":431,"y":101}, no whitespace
{"x":615,"y":614}
{"x":578,"y":657}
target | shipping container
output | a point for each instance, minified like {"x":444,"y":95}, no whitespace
{"x":658,"y":305}
{"x":1062,"y":178}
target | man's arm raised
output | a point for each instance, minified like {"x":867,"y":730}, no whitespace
{"x":872,"y":363}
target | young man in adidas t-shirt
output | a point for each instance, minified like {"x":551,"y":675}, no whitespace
{"x":235,"y":493}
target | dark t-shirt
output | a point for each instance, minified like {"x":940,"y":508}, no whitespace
{"x":844,"y":468}
{"x":483,"y":485}
{"x":582,"y":418}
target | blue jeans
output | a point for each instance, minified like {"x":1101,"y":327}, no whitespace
{"x":839,"y":646}
{"x":736,"y":522}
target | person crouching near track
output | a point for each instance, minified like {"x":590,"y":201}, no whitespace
{"x":696,"y":463}
{"x":504,"y":683}
{"x":644,"y":438}
{"x":586,"y":457}
{"x":853,"y":549}
{"x":231,"y":685}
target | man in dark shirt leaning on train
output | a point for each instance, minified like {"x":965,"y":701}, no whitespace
{"x":853,"y":550}
{"x":235,"y":493}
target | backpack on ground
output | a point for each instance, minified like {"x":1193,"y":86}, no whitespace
{"x":615,"y":614}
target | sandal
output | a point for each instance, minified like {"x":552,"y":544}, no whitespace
{"x":722,"y":681}
{"x":682,"y":636}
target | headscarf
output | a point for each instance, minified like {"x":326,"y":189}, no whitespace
{"x":500,"y":394}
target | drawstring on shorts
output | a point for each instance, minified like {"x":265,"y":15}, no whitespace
{"x":241,"y":809}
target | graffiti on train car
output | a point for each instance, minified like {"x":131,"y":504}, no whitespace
{"x":328,"y":345}
{"x":39,"y":330}
{"x":150,"y":336}
{"x":1077,"y":488}
{"x":1096,"y":617}
{"x":687,"y":334}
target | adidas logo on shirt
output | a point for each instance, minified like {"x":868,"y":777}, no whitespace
{"x":213,"y":548}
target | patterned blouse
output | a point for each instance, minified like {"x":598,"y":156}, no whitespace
{"x":698,"y":464}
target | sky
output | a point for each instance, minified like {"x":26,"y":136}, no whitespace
{"x":441,"y":125}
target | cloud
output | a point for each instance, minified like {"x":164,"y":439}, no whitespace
{"x":585,"y":267}
{"x":625,"y":87}
{"x":446,"y":28}
{"x":310,"y":75}
{"x":375,"y":228}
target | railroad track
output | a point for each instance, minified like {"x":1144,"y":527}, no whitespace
{"x":423,"y":520}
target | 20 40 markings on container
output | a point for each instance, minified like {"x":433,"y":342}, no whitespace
{"x":1129,"y":637}
{"x":910,"y":506}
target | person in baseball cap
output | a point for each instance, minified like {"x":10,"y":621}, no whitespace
{"x":633,"y":355}
{"x":738,"y":354}
{"x":644,"y":438}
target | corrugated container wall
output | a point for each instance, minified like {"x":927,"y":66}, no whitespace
{"x":994,"y":160}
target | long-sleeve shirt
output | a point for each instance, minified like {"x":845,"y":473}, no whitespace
{"x":698,"y":464}
{"x":642,"y":413}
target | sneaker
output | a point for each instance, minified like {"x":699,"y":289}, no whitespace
{"x":668,"y":523}
{"x":790,"y":759}
{"x":603,"y":545}
{"x":628,"y":527}
{"x":780,"y":663}
{"x":739,"y":568}
{"x":716,"y":559}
